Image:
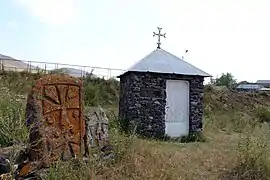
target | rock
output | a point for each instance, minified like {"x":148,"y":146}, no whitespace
{"x":97,"y":127}
{"x":107,"y":152}
{"x":5,"y":166}
{"x":36,"y":175}
{"x":7,"y":176}
{"x":21,"y":156}
{"x":5,"y":151}
{"x":12,"y":152}
{"x":54,"y":116}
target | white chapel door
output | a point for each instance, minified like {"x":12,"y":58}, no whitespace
{"x":177,"y":108}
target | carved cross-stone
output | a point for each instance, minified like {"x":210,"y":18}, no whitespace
{"x":159,"y":35}
{"x":61,"y":109}
{"x":96,"y":127}
{"x":54,"y":115}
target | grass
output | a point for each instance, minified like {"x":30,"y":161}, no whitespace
{"x":236,"y":135}
{"x":12,"y":119}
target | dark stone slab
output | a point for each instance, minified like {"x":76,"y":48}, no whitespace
{"x":5,"y":166}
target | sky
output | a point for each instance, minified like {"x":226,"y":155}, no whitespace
{"x":221,"y":35}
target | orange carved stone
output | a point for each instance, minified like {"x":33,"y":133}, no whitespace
{"x":54,"y":115}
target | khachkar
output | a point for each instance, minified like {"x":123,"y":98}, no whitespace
{"x":97,"y":127}
{"x":54,"y":116}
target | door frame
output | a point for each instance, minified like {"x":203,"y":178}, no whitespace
{"x":188,"y":101}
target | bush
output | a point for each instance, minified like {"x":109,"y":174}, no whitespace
{"x":263,"y":114}
{"x":208,"y":88}
{"x":19,"y":83}
{"x":99,"y":91}
{"x":229,"y":122}
{"x":253,"y":157}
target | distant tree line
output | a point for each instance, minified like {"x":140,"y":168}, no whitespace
{"x":226,"y":79}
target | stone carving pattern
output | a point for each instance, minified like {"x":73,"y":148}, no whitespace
{"x":97,"y":128}
{"x":61,"y":113}
{"x":54,"y":116}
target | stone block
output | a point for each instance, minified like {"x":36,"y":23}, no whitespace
{"x":54,"y":116}
{"x":97,"y":126}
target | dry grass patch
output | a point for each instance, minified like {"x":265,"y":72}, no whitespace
{"x":146,"y":159}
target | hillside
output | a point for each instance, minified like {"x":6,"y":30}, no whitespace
{"x":11,"y":64}
{"x":71,"y":71}
{"x":236,"y":136}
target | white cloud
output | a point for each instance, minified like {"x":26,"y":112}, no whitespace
{"x":52,"y":11}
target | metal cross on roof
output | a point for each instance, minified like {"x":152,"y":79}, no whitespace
{"x":159,"y":35}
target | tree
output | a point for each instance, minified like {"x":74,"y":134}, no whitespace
{"x":225,"y":80}
{"x":243,"y":82}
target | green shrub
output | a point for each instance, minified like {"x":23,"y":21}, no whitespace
{"x":252,"y":160}
{"x":229,"y":121}
{"x":99,"y":91}
{"x":19,"y":83}
{"x":253,"y":157}
{"x":263,"y":114}
{"x":208,"y":88}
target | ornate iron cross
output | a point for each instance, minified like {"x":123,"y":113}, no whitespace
{"x":159,"y":35}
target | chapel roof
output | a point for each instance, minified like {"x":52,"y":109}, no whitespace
{"x":161,"y":61}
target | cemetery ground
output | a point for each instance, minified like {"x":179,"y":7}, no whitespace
{"x":235,"y":138}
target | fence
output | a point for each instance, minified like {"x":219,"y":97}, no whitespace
{"x":48,"y":67}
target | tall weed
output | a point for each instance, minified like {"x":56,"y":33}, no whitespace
{"x":12,"y":118}
{"x":237,"y":122}
{"x":253,"y":156}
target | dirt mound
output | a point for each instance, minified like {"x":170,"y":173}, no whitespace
{"x":216,"y":98}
